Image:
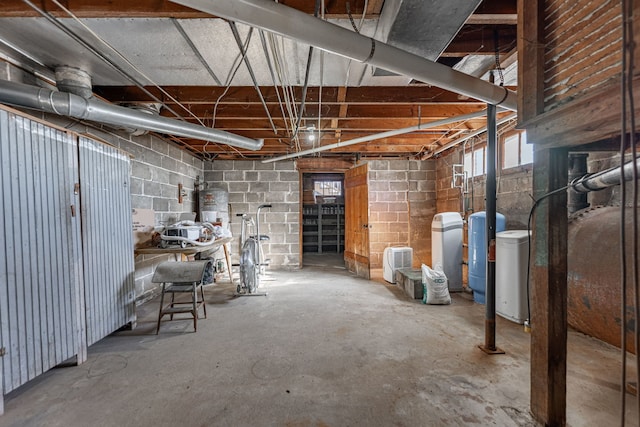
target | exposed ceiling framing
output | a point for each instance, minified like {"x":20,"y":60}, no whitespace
{"x":181,"y":50}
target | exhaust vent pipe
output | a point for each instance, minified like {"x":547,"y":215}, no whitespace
{"x":74,"y":80}
{"x":69,"y":104}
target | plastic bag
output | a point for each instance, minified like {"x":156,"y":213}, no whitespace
{"x":435,"y":286}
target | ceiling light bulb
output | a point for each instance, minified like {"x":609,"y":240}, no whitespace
{"x":312,"y":137}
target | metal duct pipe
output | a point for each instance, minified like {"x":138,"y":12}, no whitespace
{"x":291,"y":23}
{"x":67,"y":104}
{"x":387,"y":134}
{"x":604,"y":179}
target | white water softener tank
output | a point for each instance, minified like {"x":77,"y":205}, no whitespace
{"x":512,"y":249}
{"x":446,"y":247}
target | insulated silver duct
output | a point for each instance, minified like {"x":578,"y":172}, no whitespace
{"x":299,"y":26}
{"x":604,"y":179}
{"x":67,"y":104}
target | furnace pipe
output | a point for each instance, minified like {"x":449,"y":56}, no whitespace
{"x":604,"y":179}
{"x":382,"y":135}
{"x":299,"y":26}
{"x":93,"y":109}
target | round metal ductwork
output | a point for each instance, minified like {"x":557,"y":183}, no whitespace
{"x":74,"y":80}
{"x":150,"y":108}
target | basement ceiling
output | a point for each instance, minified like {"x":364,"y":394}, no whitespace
{"x":193,"y":64}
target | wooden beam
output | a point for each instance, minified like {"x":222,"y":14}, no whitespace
{"x":590,"y":118}
{"x":549,"y":291}
{"x":165,"y":8}
{"x":497,"y":7}
{"x":342,"y":96}
{"x":531,"y":44}
{"x":493,"y":19}
{"x":478,"y":40}
{"x":413,"y":94}
{"x":333,"y":111}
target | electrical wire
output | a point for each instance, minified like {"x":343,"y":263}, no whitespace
{"x":320,"y":96}
{"x":243,"y":49}
{"x":623,"y":202}
{"x":626,"y":85}
{"x":536,"y":203}
{"x":235,"y":66}
{"x":629,"y":48}
{"x":496,"y":44}
{"x":114,"y":50}
{"x":307,"y":72}
{"x":357,"y":29}
{"x":265,"y":49}
{"x":277,"y":48}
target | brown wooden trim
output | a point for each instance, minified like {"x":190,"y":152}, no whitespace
{"x":323,"y":165}
{"x":357,"y":258}
{"x":591,"y":118}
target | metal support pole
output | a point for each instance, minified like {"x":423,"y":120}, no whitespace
{"x":489,"y":346}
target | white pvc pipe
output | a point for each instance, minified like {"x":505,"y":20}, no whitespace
{"x":297,"y":25}
{"x":387,"y":134}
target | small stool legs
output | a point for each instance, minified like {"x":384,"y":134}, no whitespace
{"x":185,"y":278}
{"x":191,"y":306}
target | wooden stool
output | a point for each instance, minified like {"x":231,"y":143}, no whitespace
{"x":181,"y":277}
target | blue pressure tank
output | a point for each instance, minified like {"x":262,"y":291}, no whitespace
{"x":478,"y":252}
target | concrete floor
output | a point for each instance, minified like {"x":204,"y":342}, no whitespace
{"x":324,"y":348}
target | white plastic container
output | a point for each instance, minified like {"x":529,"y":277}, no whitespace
{"x":446,"y":247}
{"x":511,"y":274}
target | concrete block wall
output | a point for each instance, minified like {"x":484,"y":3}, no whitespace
{"x":448,"y":198}
{"x":422,"y":208}
{"x":513,"y":187}
{"x":401,"y":202}
{"x":252,"y":183}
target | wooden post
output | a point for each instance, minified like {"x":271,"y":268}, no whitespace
{"x":531,"y":45}
{"x":549,"y":290}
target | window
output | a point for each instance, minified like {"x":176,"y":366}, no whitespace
{"x":515,"y":150}
{"x":327,"y":188}
{"x":475,"y":162}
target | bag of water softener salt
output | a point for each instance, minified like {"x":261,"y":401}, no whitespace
{"x":435,"y":286}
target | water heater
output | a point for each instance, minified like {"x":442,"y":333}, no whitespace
{"x":214,"y":203}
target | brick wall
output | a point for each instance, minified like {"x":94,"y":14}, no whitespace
{"x":582,"y":48}
{"x":252,"y":183}
{"x":401,"y":203}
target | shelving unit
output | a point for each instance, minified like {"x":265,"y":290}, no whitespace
{"x":323,"y":228}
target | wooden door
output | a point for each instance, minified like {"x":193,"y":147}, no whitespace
{"x":356,"y":253}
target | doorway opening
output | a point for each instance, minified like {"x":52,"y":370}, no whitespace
{"x":323,"y":212}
